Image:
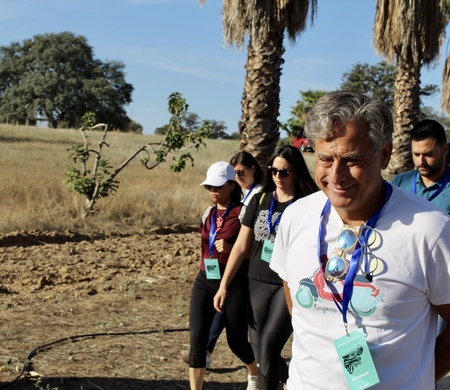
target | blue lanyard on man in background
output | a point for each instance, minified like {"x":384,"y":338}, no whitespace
{"x":437,"y":191}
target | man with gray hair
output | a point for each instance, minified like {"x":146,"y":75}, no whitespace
{"x":365,"y":265}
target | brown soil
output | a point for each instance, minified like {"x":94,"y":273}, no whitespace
{"x":106,"y":312}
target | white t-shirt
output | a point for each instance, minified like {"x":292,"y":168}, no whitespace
{"x":394,"y":310}
{"x":247,"y":197}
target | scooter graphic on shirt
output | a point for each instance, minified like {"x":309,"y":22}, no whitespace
{"x":365,"y":297}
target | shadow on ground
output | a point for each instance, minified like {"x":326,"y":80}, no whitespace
{"x":112,"y":384}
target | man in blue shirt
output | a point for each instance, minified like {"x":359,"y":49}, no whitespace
{"x":431,"y":178}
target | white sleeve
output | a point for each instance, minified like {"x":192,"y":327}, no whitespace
{"x":277,"y":262}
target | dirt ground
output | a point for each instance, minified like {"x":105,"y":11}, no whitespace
{"x":104,"y":312}
{"x":107,"y":312}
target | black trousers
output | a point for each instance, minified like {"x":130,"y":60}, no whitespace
{"x":270,"y":327}
{"x":202,"y":314}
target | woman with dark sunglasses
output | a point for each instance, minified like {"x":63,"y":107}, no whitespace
{"x":288,"y":179}
{"x":219,"y":230}
{"x":249,"y":176}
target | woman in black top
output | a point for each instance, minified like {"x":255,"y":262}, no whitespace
{"x":269,"y":321}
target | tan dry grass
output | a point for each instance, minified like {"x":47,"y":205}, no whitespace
{"x":34,"y":162}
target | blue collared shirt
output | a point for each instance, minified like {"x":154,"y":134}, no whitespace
{"x":442,"y":200}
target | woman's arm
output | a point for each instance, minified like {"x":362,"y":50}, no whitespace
{"x":239,"y":253}
{"x":287,"y":294}
{"x":441,"y":354}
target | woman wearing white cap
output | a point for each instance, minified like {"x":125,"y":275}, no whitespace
{"x":219,"y":231}
{"x":269,"y":320}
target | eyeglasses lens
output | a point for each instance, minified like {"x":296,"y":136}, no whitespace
{"x":240,"y":173}
{"x":337,"y":266}
{"x":213,"y":188}
{"x":281,"y":172}
{"x":347,"y":240}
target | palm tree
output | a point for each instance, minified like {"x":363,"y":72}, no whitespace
{"x":445,"y":98}
{"x":409,"y":34}
{"x":265,"y":22}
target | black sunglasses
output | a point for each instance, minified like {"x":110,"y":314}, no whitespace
{"x":241,"y":173}
{"x":282,"y":172}
{"x":209,"y":188}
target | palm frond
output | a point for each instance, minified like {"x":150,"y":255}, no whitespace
{"x":409,"y":29}
{"x":259,"y":18}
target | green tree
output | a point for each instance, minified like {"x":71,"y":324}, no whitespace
{"x":93,"y":176}
{"x":55,"y":77}
{"x":134,"y":127}
{"x":218,"y":129}
{"x":191,"y":122}
{"x":430,"y":113}
{"x":265,"y":23}
{"x":409,"y":34}
{"x":235,"y":136}
{"x":295,"y":125}
{"x":378,"y":81}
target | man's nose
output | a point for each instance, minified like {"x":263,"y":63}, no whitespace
{"x":339,"y":172}
{"x":421,"y":160}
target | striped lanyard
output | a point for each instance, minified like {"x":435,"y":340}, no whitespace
{"x":249,"y":192}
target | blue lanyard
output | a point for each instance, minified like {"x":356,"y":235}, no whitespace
{"x":354,"y":262}
{"x":249,"y":192}
{"x":212,"y":228}
{"x":437,"y":191}
{"x":271,"y":226}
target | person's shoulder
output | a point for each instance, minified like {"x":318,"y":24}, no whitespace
{"x":310,"y":204}
{"x":264,"y":198}
{"x":407,"y":202}
{"x":206,"y":214}
{"x":418,"y":215}
{"x":236,"y":209}
{"x":404,"y":178}
{"x":258,"y":188}
{"x":312,"y":198}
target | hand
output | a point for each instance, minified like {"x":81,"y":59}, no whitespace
{"x":219,"y":299}
{"x":222,"y":246}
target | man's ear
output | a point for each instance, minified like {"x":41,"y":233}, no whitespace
{"x":386,"y":153}
{"x":446,"y":151}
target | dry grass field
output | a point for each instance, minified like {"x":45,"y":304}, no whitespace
{"x":103,"y":302}
{"x":34,"y":196}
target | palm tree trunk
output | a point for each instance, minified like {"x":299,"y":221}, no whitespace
{"x":259,"y":126}
{"x":406,"y":112}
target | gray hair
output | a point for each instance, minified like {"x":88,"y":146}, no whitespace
{"x":336,"y":108}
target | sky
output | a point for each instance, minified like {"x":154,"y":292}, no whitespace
{"x":177,"y":46}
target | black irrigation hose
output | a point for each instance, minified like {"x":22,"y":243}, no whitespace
{"x":91,"y":335}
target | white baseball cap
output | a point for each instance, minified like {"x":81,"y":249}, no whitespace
{"x":218,"y":174}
